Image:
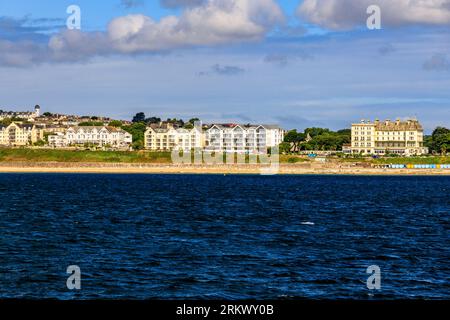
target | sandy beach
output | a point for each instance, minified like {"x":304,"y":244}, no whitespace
{"x":134,"y":168}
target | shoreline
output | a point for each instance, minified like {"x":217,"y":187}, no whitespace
{"x":162,"y":168}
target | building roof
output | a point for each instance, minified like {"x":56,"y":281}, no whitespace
{"x":409,"y":125}
{"x":388,"y":125}
{"x":98,"y":128}
{"x":225,"y":126}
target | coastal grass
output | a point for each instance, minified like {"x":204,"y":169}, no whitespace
{"x":58,"y":155}
{"x":292,"y":159}
{"x":51,"y":155}
{"x":55,"y":155}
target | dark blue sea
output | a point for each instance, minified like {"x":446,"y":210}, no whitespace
{"x":224,"y":237}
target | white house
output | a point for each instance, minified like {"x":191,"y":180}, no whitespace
{"x":97,"y":135}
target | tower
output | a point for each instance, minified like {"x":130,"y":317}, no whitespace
{"x":37,"y":111}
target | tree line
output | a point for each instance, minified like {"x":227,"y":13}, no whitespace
{"x":315,"y":139}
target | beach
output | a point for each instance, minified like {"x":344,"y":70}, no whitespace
{"x":165,"y":168}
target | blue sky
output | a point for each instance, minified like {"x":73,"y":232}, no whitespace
{"x":294,"y":63}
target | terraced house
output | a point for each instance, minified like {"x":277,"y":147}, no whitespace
{"x":95,"y":135}
{"x":19,"y":134}
{"x":387,"y":137}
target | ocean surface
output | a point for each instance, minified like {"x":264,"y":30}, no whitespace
{"x":224,"y":237}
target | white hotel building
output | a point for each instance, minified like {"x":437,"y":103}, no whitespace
{"x":378,"y":138}
{"x":242,"y":138}
{"x":97,"y":135}
{"x":216,"y":138}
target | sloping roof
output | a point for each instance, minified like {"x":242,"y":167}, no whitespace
{"x":25,"y":126}
{"x":410,"y":125}
{"x":98,"y":128}
{"x":271,"y":126}
{"x":246,"y":126}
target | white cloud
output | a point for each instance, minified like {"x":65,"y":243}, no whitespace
{"x":346,"y":14}
{"x":213,"y":23}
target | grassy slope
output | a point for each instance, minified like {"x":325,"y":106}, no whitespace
{"x":41,"y":155}
{"x":46,"y":155}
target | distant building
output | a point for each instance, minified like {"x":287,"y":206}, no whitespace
{"x":57,"y":140}
{"x":242,"y":138}
{"x":167,"y":138}
{"x":387,"y":137}
{"x":26,"y":115}
{"x":18,"y":134}
{"x":96,"y":135}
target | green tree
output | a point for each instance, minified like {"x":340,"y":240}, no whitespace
{"x":91,"y":124}
{"x":190,"y":124}
{"x":294,"y":138}
{"x":6,"y":122}
{"x":137,"y":130}
{"x":440,"y":140}
{"x":326,"y":140}
{"x":152,"y":120}
{"x":285,"y":147}
{"x":139,"y":117}
{"x":313,"y":132}
{"x":115,"y":123}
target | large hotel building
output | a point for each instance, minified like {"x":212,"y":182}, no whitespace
{"x":214,"y":138}
{"x":387,"y":137}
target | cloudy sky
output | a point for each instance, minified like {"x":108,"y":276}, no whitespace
{"x":291,"y":62}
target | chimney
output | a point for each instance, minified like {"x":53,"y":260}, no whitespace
{"x":377,"y":121}
{"x":397,"y":122}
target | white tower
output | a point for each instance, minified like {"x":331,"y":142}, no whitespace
{"x":37,"y":111}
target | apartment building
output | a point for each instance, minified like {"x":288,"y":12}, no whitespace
{"x":19,"y":134}
{"x":242,"y":138}
{"x":383,"y":137}
{"x":167,"y":138}
{"x":96,"y":135}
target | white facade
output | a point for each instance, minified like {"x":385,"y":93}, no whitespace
{"x":57,"y":140}
{"x":102,"y":136}
{"x":168,"y":139}
{"x":242,"y":139}
{"x":379,"y":138}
